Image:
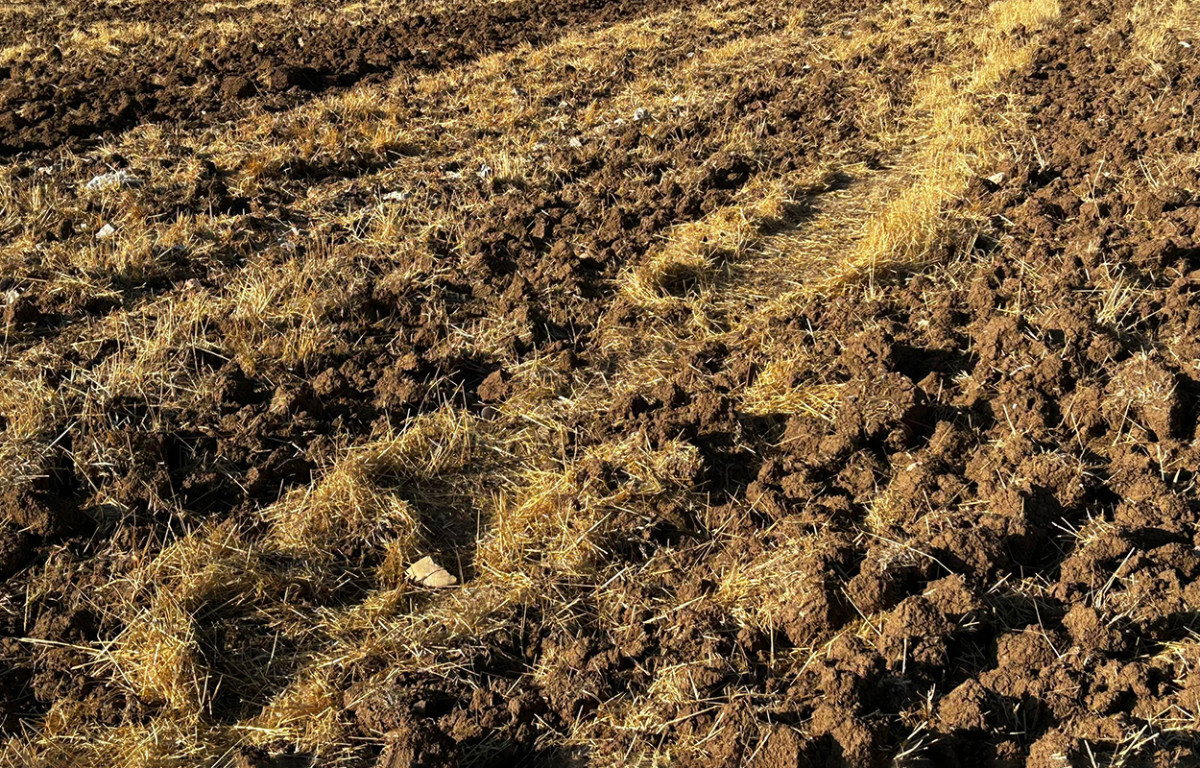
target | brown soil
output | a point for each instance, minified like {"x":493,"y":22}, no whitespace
{"x":48,"y":99}
{"x":997,"y":403}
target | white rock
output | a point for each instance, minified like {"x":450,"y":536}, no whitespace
{"x":105,"y":232}
{"x":429,"y":574}
{"x":114,"y":180}
{"x":640,"y":114}
{"x":574,"y":142}
{"x":997,"y":178}
{"x":485,"y":171}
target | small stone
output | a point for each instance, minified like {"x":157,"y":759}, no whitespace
{"x":997,"y":178}
{"x":113,"y":180}
{"x":485,"y":172}
{"x":429,"y":574}
{"x":105,"y":232}
{"x":574,"y":142}
{"x":640,"y":114}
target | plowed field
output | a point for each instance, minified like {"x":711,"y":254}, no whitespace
{"x":772,"y":383}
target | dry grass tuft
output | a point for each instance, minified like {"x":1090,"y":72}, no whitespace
{"x":360,"y":503}
{"x":1165,"y":31}
{"x":563,"y":516}
{"x":776,"y":391}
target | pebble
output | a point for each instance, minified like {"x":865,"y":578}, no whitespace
{"x":428,"y":573}
{"x":114,"y":180}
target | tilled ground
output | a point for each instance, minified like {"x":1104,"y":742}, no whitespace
{"x":202,"y":71}
{"x":962,"y":529}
